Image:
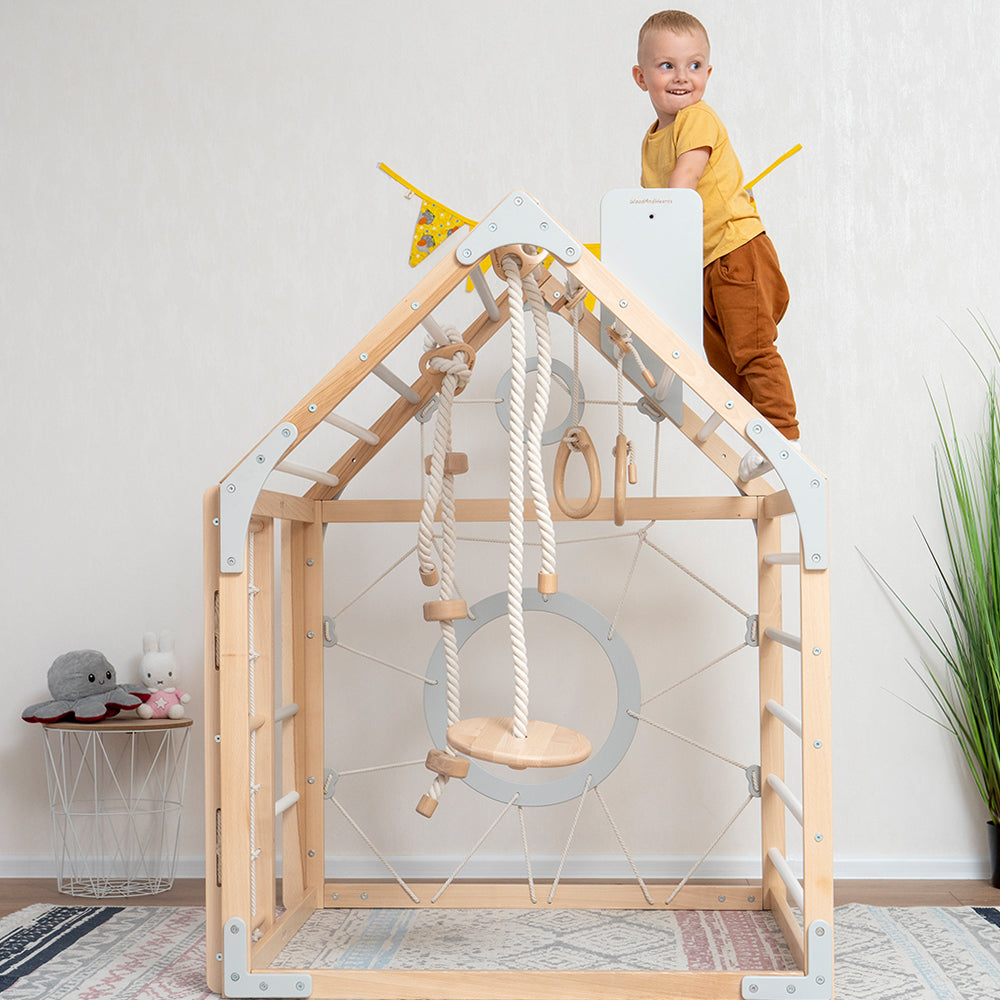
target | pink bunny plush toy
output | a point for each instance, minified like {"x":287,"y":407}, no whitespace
{"x":158,"y":672}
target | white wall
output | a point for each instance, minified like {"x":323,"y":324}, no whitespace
{"x":194,"y":231}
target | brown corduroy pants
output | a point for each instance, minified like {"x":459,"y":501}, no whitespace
{"x":745,"y":298}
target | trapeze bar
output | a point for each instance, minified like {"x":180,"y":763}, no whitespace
{"x":396,"y":383}
{"x":285,"y":803}
{"x":303,"y":472}
{"x":352,"y":428}
{"x":480,"y":285}
{"x":787,"y":876}
{"x":783,"y":558}
{"x":785,"y":638}
{"x":785,"y":794}
{"x":708,"y":428}
{"x":433,"y":327}
{"x":286,"y":712}
{"x":793,"y":722}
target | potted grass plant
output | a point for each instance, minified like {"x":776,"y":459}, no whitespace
{"x":963,"y":673}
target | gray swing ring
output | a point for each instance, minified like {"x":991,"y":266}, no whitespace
{"x":560,"y":370}
{"x":601,"y":763}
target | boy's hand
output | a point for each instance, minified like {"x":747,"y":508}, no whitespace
{"x":689,"y":168}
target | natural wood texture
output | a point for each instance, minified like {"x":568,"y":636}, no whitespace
{"x":496,"y":510}
{"x":621,"y":465}
{"x":548,"y":583}
{"x":426,"y":806}
{"x":770,"y":685}
{"x":455,"y":463}
{"x":778,"y":504}
{"x":263,"y":740}
{"x":583,"y":445}
{"x":817,"y":756}
{"x":282,"y":506}
{"x":285,"y":927}
{"x":212,"y":890}
{"x":790,"y":928}
{"x":492,"y":739}
{"x":445,"y":611}
{"x":118,"y":724}
{"x":570,"y":895}
{"x":445,"y":763}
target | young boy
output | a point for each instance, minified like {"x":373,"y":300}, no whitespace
{"x":745,"y":295}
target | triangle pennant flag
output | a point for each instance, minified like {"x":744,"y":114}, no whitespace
{"x":435,"y":224}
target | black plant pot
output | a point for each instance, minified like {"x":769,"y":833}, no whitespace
{"x":993,"y":835}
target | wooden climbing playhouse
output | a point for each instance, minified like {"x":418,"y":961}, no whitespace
{"x":267,"y":783}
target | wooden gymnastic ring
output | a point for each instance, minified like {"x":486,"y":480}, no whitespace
{"x":581,"y":442}
{"x":447,"y":351}
{"x":621,"y":470}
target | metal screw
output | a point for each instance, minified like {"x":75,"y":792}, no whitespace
{"x":300,"y":986}
{"x":518,"y":200}
{"x":818,"y":744}
{"x":753,"y":988}
{"x":466,"y":253}
{"x":336,"y":895}
{"x":218,"y":739}
{"x":722,"y":899}
{"x":816,"y":557}
{"x":677,"y":354}
{"x":310,"y":562}
{"x":543,"y":226}
{"x":261,"y":459}
{"x":820,"y":931}
{"x":235,"y":977}
{"x":364,"y":895}
{"x":263,"y":986}
{"x":784,"y":455}
{"x":493,"y":227}
{"x":751,"y":899}
{"x":231,"y":561}
{"x":312,"y":854}
{"x":818,"y":838}
{"x":311,"y":780}
{"x":789,"y":989}
{"x":570,"y":251}
{"x":312,"y":407}
{"x":234,"y":929}
{"x":623,"y":303}
{"x":814,"y":484}
{"x":231,"y":488}
{"x":218,"y":956}
{"x":310,"y":635}
{"x":414,"y":305}
{"x":820,"y":980}
{"x":817,"y":651}
{"x":215,"y":521}
{"x":757,"y":429}
{"x":729,"y":404}
{"x":285,"y":432}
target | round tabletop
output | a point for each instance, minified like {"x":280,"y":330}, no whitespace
{"x":117,"y":724}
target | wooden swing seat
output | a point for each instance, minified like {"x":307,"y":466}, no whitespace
{"x":493,"y":740}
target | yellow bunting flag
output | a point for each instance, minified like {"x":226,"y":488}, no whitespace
{"x":435,"y":223}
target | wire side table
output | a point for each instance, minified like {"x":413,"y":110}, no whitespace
{"x":116,"y":790}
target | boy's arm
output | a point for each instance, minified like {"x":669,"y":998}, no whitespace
{"x":689,"y":168}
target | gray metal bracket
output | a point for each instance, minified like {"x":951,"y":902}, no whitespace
{"x":806,"y":487}
{"x":672,"y":404}
{"x":518,"y":219}
{"x":239,"y":981}
{"x":240,"y":491}
{"x":817,"y":984}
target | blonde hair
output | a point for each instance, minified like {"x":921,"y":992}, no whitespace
{"x":679,"y":22}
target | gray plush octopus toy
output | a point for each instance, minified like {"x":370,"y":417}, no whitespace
{"x":84,"y":688}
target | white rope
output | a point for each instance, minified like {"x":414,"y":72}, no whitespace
{"x":687,"y":739}
{"x":378,"y":854}
{"x":621,"y":844}
{"x":441,"y":488}
{"x":689,"y":677}
{"x":569,"y":839}
{"x":406,"y":555}
{"x":515,"y":506}
{"x":380,"y":767}
{"x":628,"y":583}
{"x":576,"y":314}
{"x":384,"y":663}
{"x":252,"y":592}
{"x":479,"y":843}
{"x":656,"y":460}
{"x":697,"y":579}
{"x":527,"y":855}
{"x":539,"y":412}
{"x":684,"y":881}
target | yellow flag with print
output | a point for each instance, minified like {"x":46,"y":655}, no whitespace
{"x":435,"y":224}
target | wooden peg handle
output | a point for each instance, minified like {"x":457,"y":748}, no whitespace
{"x":621,"y":465}
{"x":430,"y":578}
{"x":426,"y":806}
{"x":548,"y":583}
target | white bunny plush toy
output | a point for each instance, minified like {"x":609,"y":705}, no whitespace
{"x":159,"y":673}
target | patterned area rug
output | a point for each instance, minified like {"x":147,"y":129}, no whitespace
{"x":158,"y":953}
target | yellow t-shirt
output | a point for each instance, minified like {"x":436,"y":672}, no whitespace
{"x":730,"y":219}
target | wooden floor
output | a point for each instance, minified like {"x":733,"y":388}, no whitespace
{"x":16,"y":893}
